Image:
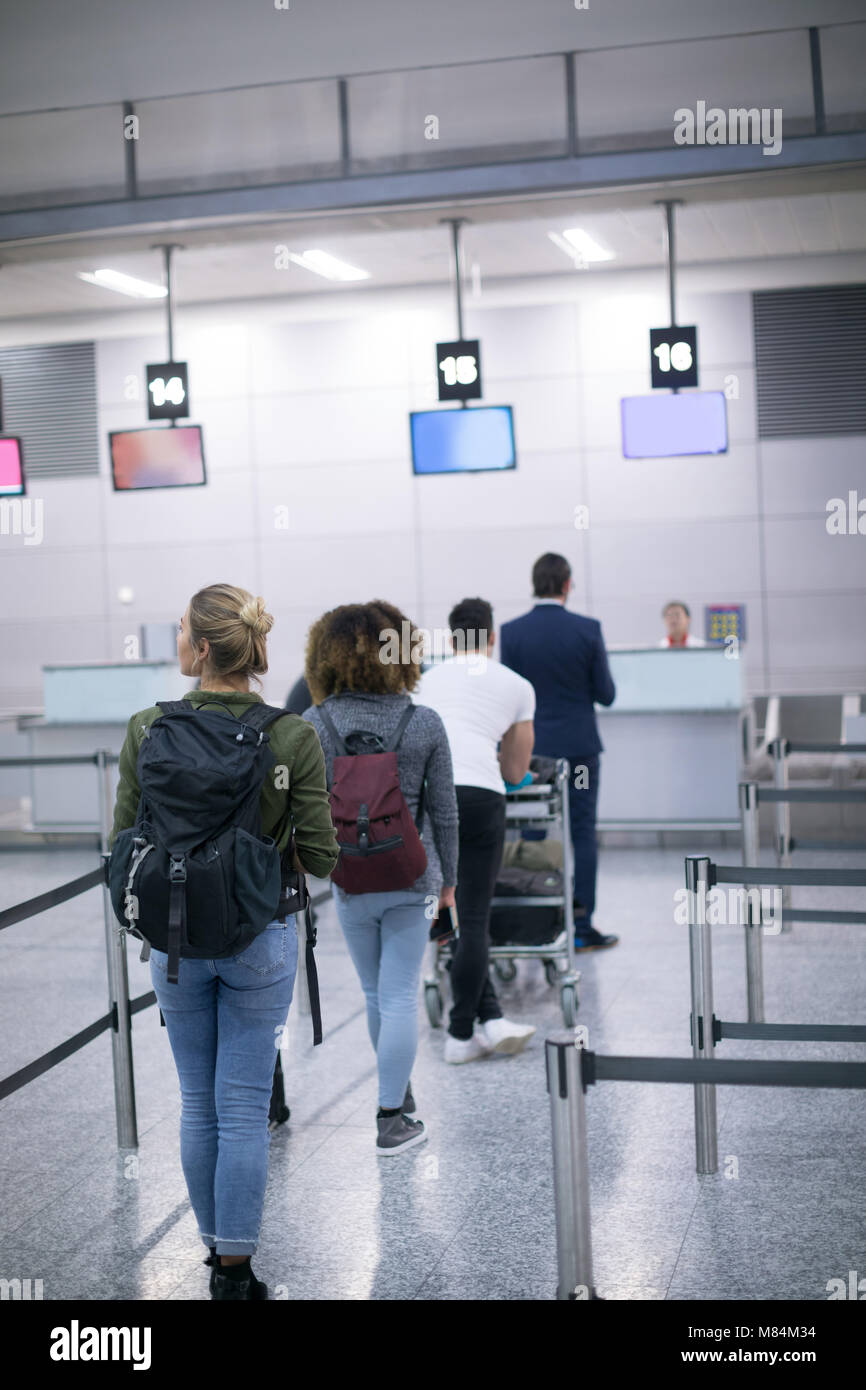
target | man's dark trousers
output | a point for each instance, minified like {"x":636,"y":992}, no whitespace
{"x":582,"y":803}
{"x":482,"y":836}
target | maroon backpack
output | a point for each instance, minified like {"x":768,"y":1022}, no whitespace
{"x":380,"y":844}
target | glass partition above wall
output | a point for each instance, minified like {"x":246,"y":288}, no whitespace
{"x":843,"y":62}
{"x":626,"y":97}
{"x":501,"y":111}
{"x":514,"y":109}
{"x":232,"y":139}
{"x":51,"y":157}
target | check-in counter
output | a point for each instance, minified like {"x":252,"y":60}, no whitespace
{"x":672,"y":740}
{"x":87,"y":707}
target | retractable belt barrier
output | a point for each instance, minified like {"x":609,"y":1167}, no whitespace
{"x":571,"y":1069}
{"x":751,"y":795}
{"x":121,"y":1007}
{"x":782,"y":794}
{"x":706,"y":1030}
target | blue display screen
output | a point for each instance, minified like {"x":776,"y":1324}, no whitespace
{"x":691,"y":422}
{"x":475,"y":440}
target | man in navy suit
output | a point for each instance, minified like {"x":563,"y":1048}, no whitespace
{"x":563,"y":656}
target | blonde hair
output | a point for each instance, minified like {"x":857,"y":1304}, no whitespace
{"x":235,"y":624}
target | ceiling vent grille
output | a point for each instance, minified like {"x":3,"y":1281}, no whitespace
{"x":810,"y":361}
{"x":49,"y":401}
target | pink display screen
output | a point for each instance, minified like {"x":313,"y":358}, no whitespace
{"x":169,"y":457}
{"x":11,"y":468}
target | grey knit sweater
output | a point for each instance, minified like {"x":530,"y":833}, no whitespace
{"x":424,"y":752}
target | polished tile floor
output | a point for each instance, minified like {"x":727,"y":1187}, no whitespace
{"x":469,"y":1215}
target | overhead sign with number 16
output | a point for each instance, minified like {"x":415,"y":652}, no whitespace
{"x":674,"y":356}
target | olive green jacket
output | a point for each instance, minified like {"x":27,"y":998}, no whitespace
{"x":297,"y":780}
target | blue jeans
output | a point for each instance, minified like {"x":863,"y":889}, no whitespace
{"x":224,"y":1019}
{"x":387,"y":934}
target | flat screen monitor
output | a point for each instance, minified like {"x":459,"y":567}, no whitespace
{"x":690,"y":422}
{"x":163,"y":456}
{"x":479,"y":439}
{"x":11,"y":468}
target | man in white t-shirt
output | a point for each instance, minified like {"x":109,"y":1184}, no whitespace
{"x":485,"y":707}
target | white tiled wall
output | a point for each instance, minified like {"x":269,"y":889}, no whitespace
{"x":310,"y":414}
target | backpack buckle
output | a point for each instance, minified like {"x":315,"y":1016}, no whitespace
{"x":363,"y":827}
{"x":177,"y":869}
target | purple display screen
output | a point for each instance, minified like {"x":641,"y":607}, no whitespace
{"x":690,"y":422}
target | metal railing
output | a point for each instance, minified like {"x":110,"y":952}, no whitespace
{"x":336,"y":121}
{"x":571,"y":1069}
{"x":706,"y":1030}
{"x":121,"y":1008}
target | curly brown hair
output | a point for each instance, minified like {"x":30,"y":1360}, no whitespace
{"x":370,"y":647}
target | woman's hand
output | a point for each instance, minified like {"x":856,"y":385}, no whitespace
{"x":446,"y":898}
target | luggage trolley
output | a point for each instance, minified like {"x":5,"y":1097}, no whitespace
{"x":540,"y":806}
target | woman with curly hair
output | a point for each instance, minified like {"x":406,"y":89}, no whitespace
{"x":361,"y":666}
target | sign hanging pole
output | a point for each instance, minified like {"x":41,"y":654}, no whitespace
{"x":669,"y":204}
{"x":167,"y":248}
{"x":455,"y":223}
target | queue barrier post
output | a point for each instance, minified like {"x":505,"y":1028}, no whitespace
{"x":563,"y":1060}
{"x":700,"y":957}
{"x":118,"y":982}
{"x":752,"y":928}
{"x":779,"y":753}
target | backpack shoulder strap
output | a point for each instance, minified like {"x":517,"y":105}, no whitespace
{"x":339,"y":741}
{"x":400,"y":729}
{"x":174,"y":706}
{"x":261,"y":717}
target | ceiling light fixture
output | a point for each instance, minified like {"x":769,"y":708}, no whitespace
{"x":124,"y":284}
{"x":580,"y":245}
{"x":322,"y":263}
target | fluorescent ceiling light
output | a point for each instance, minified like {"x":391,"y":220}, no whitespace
{"x":329,"y":266}
{"x":580,"y":245}
{"x":124,"y":284}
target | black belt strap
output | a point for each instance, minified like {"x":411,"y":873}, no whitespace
{"x":312,"y":975}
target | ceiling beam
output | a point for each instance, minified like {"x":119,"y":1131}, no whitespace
{"x":362,"y":191}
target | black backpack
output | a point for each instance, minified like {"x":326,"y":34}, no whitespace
{"x":194,"y":876}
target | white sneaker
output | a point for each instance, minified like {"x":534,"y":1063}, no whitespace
{"x":504,"y":1036}
{"x":459,"y":1050}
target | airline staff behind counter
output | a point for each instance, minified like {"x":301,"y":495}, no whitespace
{"x":677,"y":619}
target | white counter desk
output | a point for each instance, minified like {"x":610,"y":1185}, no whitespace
{"x":87,"y":706}
{"x":672,"y":740}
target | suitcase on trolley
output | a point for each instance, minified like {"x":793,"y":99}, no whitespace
{"x":526,"y":925}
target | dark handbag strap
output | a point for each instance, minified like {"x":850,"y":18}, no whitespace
{"x":312,"y":974}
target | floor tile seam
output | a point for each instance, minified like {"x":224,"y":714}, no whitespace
{"x":679,"y":1253}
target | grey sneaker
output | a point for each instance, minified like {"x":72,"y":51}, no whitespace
{"x":396,"y":1133}
{"x":408,"y":1106}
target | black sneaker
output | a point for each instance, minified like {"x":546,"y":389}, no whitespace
{"x":588,"y":939}
{"x":242,"y":1286}
{"x":408,"y":1106}
{"x":396,"y":1133}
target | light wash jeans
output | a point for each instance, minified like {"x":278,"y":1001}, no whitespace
{"x":387,"y":934}
{"x":223,"y":1019}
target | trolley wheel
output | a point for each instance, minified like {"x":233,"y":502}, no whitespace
{"x":433,"y":1003}
{"x":568,"y":999}
{"x":551,"y":972}
{"x":505,"y":970}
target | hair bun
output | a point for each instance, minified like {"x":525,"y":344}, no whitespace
{"x":254,"y":614}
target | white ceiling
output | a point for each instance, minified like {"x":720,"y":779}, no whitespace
{"x":238,"y":262}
